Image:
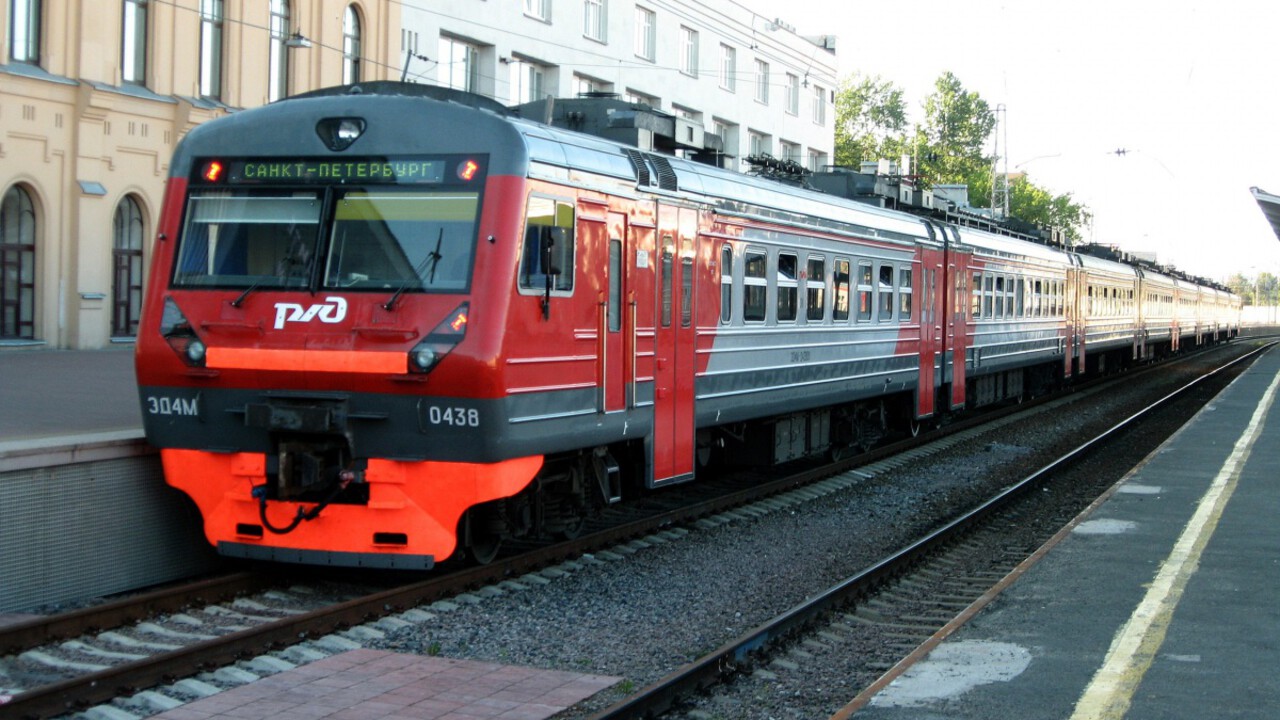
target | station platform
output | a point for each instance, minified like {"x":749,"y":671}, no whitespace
{"x":380,"y":685}
{"x":1161,"y":603}
{"x":46,"y":394}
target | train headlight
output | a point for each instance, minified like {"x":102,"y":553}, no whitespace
{"x":195,"y":352}
{"x":178,"y":333}
{"x":424,"y":357}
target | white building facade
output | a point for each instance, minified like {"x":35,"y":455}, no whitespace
{"x":744,"y":76}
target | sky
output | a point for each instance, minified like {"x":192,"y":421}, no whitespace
{"x":1185,"y":88}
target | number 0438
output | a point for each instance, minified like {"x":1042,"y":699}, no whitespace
{"x":456,"y":416}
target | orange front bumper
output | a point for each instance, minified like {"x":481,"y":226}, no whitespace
{"x":413,"y":509}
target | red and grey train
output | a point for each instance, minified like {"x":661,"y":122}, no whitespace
{"x":386,"y":325}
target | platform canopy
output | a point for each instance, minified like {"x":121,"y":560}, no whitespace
{"x":1270,"y":205}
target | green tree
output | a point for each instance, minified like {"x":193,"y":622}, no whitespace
{"x":949,"y":146}
{"x":871,"y":120}
{"x":957,"y":126}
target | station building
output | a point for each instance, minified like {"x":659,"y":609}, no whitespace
{"x":95,"y":94}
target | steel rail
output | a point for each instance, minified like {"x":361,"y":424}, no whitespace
{"x":28,"y":634}
{"x":710,"y":669}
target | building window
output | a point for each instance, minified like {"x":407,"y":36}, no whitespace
{"x":540,"y":9}
{"x":688,"y":51}
{"x":128,"y":231}
{"x":593,"y":19}
{"x":527,"y":81}
{"x":762,"y":82}
{"x":789,"y":151}
{"x":278,"y":58}
{"x":819,"y":105}
{"x":728,"y":63}
{"x":817,"y":160}
{"x":793,"y":94}
{"x":350,"y":46}
{"x":459,"y":65}
{"x":584,"y":86}
{"x":646,"y":33}
{"x":211,"y":48}
{"x":133,"y":53}
{"x":24,"y":31}
{"x":634,"y":96}
{"x":17,"y":265}
{"x":760,"y":144}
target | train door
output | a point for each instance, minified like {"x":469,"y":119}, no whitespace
{"x":674,"y":344}
{"x":617,"y":319}
{"x":1076,"y":318}
{"x":930,"y":331}
{"x":955,"y":325}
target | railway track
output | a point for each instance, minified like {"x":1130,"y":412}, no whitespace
{"x":912,"y":599}
{"x":123,"y":676}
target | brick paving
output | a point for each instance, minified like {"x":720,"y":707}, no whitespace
{"x":380,"y":685}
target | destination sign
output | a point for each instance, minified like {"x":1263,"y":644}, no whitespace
{"x":309,"y":171}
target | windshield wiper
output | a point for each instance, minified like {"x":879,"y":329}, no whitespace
{"x":240,"y":300}
{"x":432,"y":257}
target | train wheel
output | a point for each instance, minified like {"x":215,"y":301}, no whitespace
{"x":484,"y":550}
{"x":483,"y":535}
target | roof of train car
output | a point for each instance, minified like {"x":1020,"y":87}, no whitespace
{"x":1114,"y":267}
{"x":1009,"y":246}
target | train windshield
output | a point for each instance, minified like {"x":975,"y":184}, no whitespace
{"x":415,"y":240}
{"x":382,"y":239}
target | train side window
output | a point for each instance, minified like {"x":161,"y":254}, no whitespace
{"x":840,"y":279}
{"x":1035,"y":298}
{"x":615,"y":285}
{"x":816,"y":287}
{"x":668,"y":266}
{"x":999,"y":298}
{"x":988,"y":295}
{"x":686,"y":292}
{"x":726,"y":284}
{"x":864,"y":292}
{"x":904,"y":295}
{"x":788,"y":278}
{"x":755,"y":285}
{"x":548,"y":245}
{"x":975,"y":309}
{"x":885,"y":293}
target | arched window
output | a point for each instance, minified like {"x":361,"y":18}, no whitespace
{"x":17,"y":265}
{"x":128,"y":231}
{"x":351,"y":46}
{"x":278,"y":58}
{"x":211,"y":49}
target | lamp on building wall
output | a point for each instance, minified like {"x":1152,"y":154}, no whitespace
{"x":297,"y":40}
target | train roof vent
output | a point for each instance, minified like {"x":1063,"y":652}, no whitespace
{"x":667,"y":179}
{"x":643,"y":177}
